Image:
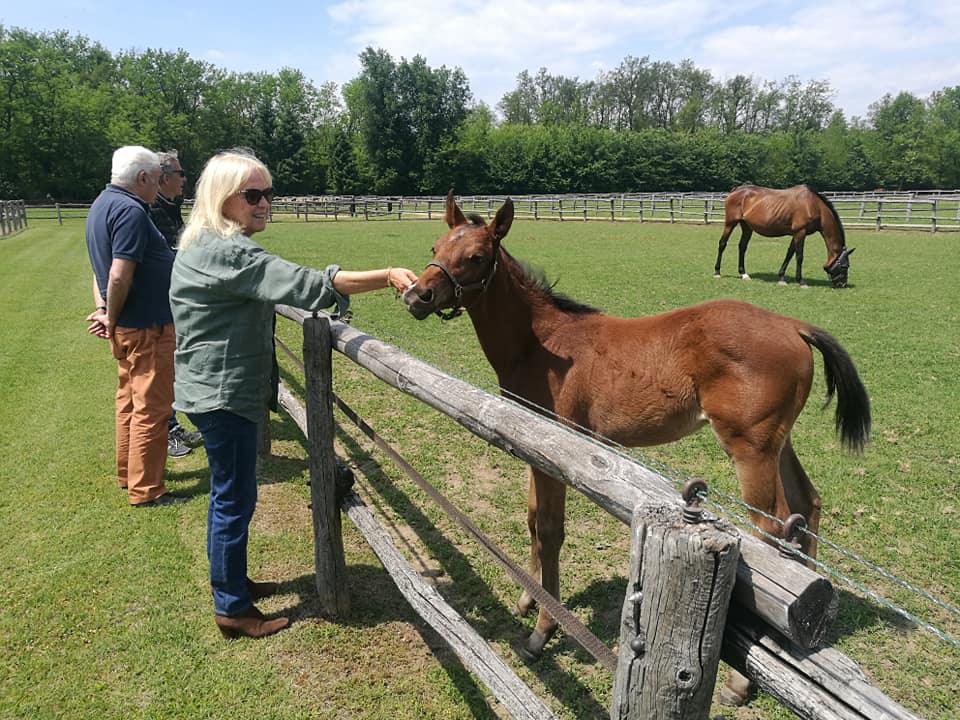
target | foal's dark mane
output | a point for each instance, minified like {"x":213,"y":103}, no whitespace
{"x":536,"y":281}
{"x":836,"y":215}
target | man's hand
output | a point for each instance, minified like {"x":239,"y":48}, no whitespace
{"x":99,"y":324}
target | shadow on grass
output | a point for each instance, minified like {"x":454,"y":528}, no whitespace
{"x":769,"y":277}
{"x":466,"y":591}
{"x":200,"y":478}
{"x":856,"y":613}
{"x":376,"y":600}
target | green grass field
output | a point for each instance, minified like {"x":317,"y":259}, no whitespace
{"x":106,"y":610}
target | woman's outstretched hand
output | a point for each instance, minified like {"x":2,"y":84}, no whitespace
{"x":400,"y":278}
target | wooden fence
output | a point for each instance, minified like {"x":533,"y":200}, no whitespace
{"x":932,"y":210}
{"x":13,"y":217}
{"x":779,"y":610}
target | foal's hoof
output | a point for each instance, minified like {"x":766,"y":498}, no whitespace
{"x":744,"y":277}
{"x":532,"y":650}
{"x":781,"y":281}
{"x":729,"y":698}
{"x":523,"y":610}
{"x":804,"y":286}
{"x":736,"y":690}
{"x":716,"y":275}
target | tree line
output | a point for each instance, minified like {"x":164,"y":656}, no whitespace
{"x":403,"y":127}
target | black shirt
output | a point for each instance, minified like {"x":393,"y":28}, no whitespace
{"x":166,"y":216}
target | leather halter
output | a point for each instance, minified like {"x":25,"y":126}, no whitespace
{"x":459,"y":289}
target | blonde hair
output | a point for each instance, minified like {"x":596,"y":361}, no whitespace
{"x":224,"y":175}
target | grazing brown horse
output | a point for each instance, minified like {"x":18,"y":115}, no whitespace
{"x":641,"y":381}
{"x":796,"y":211}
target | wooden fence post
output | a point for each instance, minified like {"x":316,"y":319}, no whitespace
{"x":59,"y":215}
{"x":332,"y":589}
{"x":671,"y":631}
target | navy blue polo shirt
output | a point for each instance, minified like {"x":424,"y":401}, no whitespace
{"x":119,"y":226}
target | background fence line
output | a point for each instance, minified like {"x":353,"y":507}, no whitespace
{"x":933,"y":210}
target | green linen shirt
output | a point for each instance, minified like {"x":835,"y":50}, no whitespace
{"x":222,"y":293}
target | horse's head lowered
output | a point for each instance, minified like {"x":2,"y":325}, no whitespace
{"x":840,"y":268}
{"x":464,"y":262}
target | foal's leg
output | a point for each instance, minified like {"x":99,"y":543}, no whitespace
{"x":550,"y":502}
{"x":798,"y":495}
{"x":745,"y":234}
{"x":757,"y":470}
{"x":727,"y":229}
{"x":526,"y":603}
{"x":801,"y":496}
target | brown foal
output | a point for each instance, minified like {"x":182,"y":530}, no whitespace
{"x":641,"y":381}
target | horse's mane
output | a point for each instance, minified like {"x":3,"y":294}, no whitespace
{"x":836,"y":215}
{"x":536,"y":280}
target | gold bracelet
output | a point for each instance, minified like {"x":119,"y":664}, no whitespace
{"x":388,"y":275}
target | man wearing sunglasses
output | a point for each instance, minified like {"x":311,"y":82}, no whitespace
{"x":166,"y":209}
{"x":166,"y":214}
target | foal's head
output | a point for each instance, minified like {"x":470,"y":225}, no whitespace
{"x":464,"y":262}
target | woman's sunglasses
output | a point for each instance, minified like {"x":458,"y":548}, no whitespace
{"x":253,"y":195}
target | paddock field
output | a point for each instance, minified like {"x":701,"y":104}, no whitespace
{"x":106,"y":609}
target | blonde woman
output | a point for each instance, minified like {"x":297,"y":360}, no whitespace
{"x":222,"y":292}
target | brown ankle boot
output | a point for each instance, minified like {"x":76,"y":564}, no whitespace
{"x":250,"y":623}
{"x":260,"y":590}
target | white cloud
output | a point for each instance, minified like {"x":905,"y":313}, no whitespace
{"x":493,"y":41}
{"x":864,"y":50}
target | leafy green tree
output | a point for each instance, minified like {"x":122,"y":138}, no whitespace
{"x":942,"y":137}
{"x":51,"y":136}
{"x":897,"y":145}
{"x":344,"y":176}
{"x":403,"y":114}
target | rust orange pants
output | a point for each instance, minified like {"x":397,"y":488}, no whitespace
{"x":144,"y":403}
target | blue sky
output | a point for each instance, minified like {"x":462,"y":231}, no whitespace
{"x":865,"y":49}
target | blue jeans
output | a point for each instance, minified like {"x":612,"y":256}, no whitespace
{"x":231,"y":443}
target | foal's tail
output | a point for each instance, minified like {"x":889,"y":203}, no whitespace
{"x":853,"y":405}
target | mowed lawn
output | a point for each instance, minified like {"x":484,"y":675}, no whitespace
{"x":106,"y":610}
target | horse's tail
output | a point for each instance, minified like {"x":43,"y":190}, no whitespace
{"x":853,"y":404}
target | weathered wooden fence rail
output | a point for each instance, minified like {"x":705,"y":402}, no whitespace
{"x":13,"y":217}
{"x":780,"y":610}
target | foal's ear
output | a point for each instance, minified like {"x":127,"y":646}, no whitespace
{"x":453,"y":215}
{"x":504,"y":218}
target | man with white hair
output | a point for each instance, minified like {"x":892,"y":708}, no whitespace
{"x":131,"y":266}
